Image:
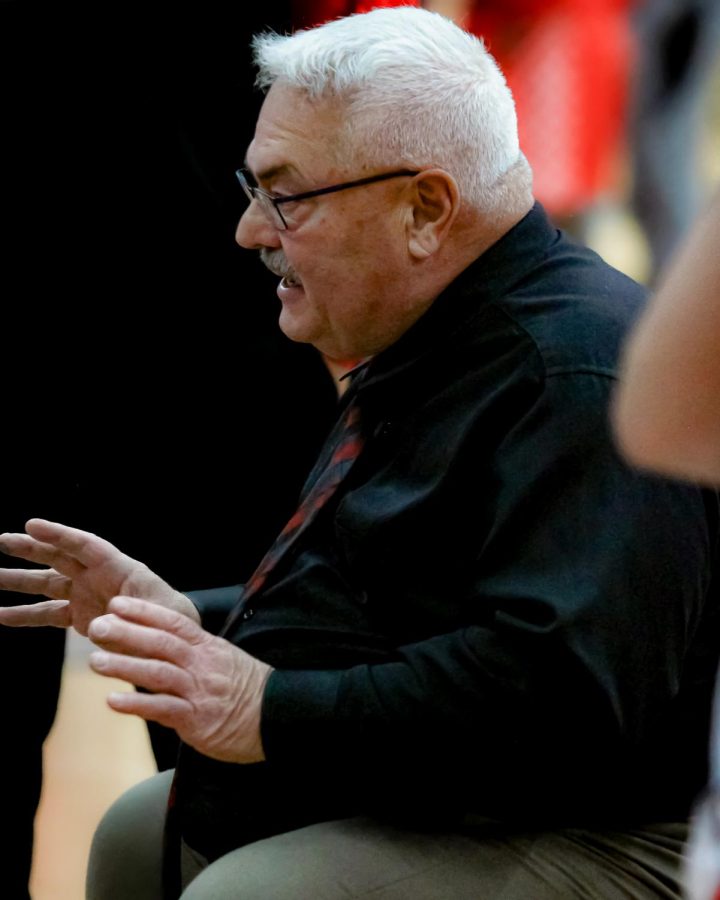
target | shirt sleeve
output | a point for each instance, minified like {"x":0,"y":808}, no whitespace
{"x":215,"y":605}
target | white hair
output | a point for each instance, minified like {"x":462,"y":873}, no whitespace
{"x":419,"y":92}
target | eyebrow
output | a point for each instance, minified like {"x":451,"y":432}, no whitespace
{"x":272,"y":172}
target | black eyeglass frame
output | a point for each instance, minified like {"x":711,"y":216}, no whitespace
{"x":253,"y":192}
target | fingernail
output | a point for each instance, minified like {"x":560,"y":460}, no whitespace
{"x":100,"y":628}
{"x":120,"y":604}
{"x":99,"y":659}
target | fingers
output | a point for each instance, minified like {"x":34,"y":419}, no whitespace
{"x":207,"y":690}
{"x":152,"y":674}
{"x":88,"y":549}
{"x":163,"y":708}
{"x":143,"y":612}
{"x":47,"y":582}
{"x":49,"y":612}
{"x":25,"y":547}
{"x":51,"y":544}
{"x":113,"y":633}
{"x":141,"y":628}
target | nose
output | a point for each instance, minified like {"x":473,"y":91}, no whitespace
{"x":254,"y":231}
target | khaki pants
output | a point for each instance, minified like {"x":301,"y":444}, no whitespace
{"x":362,"y":858}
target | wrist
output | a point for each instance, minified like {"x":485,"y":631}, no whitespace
{"x":247,"y":727}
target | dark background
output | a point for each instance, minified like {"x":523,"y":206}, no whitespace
{"x":147,"y":393}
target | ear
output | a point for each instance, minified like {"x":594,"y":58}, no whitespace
{"x":435,"y":204}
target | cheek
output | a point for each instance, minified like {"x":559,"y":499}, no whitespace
{"x":347,"y":264}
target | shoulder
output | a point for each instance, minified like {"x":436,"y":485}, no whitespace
{"x":574,"y":309}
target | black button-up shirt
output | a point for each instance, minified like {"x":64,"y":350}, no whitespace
{"x":494,"y":615}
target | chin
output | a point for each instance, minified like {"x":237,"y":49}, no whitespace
{"x":297,"y":328}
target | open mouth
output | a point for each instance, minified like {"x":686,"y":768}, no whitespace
{"x":276,"y":261}
{"x":290,"y":279}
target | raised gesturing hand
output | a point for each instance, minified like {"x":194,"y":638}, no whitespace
{"x":209,"y":691}
{"x":85,"y":573}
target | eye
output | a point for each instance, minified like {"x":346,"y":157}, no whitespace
{"x":286,"y":203}
{"x":283,"y":193}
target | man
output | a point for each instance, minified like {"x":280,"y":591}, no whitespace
{"x":476,"y":663}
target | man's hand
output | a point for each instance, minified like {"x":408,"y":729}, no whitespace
{"x":85,"y":573}
{"x":209,"y":691}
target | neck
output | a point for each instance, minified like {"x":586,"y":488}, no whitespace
{"x":473,"y":234}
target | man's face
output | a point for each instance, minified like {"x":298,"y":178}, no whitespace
{"x":346,"y":252}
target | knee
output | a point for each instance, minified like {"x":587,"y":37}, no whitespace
{"x":271,"y":868}
{"x":334,"y":860}
{"x":241,"y":874}
{"x":126,"y":852}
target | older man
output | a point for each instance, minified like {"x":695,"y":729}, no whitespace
{"x":477,"y":661}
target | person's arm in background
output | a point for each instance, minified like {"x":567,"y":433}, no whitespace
{"x":667,"y":417}
{"x":667,"y":412}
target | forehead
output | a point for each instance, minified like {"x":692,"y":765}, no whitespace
{"x":295,"y":133}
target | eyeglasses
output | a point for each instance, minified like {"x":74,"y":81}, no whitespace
{"x":270,"y":204}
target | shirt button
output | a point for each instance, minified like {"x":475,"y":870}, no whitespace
{"x":248,"y":613}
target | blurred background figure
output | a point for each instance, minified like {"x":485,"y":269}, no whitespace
{"x":307,"y":13}
{"x":668,"y":412}
{"x":569,"y":65}
{"x":678,"y":52}
{"x":667,"y":417}
{"x":612,"y":99}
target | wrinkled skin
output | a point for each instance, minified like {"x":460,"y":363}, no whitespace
{"x":147,"y":633}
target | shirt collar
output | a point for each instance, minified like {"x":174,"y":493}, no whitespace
{"x":491,"y":275}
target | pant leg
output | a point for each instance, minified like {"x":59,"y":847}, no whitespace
{"x":361,"y":858}
{"x":127,"y":849}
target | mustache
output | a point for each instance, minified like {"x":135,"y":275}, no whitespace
{"x":276,"y":261}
